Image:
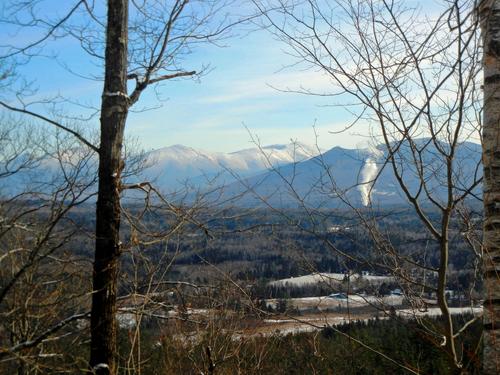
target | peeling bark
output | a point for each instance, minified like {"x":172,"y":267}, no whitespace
{"x":489,"y":11}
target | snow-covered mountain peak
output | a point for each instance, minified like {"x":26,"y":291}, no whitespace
{"x":174,"y":165}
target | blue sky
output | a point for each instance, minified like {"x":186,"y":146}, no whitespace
{"x":240,"y":94}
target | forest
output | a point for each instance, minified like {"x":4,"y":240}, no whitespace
{"x":373,"y":249}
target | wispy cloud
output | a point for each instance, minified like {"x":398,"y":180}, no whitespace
{"x":270,"y":86}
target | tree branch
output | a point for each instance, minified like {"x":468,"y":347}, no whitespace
{"x":43,"y":336}
{"x":171,"y":76}
{"x":52,"y":122}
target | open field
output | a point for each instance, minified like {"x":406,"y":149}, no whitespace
{"x":311,"y":322}
{"x":328,"y":279}
{"x":339,"y":302}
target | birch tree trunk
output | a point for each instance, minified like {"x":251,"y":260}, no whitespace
{"x":490,"y":23}
{"x":114,"y":109}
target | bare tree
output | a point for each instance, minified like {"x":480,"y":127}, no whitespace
{"x":41,"y":293}
{"x":415,"y":82}
{"x":145,"y":44}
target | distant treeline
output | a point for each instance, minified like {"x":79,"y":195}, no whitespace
{"x":265,"y":245}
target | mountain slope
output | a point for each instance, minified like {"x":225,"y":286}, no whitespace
{"x":175,"y":166}
{"x":344,"y":176}
{"x":280,"y":175}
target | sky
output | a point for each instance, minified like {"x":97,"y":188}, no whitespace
{"x":239,"y":100}
{"x":242,"y":96}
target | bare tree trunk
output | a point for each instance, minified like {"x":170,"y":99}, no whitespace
{"x":114,"y":109}
{"x":441,"y":295}
{"x":490,"y":22}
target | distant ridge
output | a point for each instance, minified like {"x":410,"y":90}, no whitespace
{"x":175,"y":166}
{"x":340,"y":177}
{"x":281,"y":175}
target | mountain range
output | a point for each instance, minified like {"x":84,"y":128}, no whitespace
{"x":178,"y":166}
{"x":340,"y":177}
{"x":293,"y":174}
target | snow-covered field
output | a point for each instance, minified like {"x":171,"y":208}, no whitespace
{"x":327,"y":278}
{"x":330,"y":303}
{"x":315,"y":322}
{"x":435,"y":311}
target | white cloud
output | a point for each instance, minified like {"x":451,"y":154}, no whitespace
{"x":271,"y":85}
